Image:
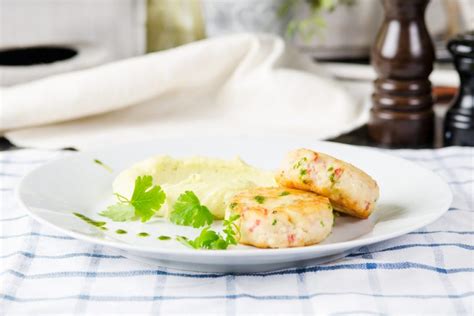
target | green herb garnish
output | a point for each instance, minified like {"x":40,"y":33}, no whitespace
{"x":274,"y":222}
{"x":232,"y":205}
{"x":230,"y":228}
{"x":103,"y":165}
{"x":121,"y":231}
{"x":321,"y":223}
{"x":284,"y":193}
{"x":188,"y":211}
{"x":90,"y":221}
{"x":260,"y":199}
{"x":146,"y":200}
{"x":119,"y":212}
{"x":143,"y":234}
{"x":300,"y":163}
{"x":163,"y":237}
{"x":209,"y":239}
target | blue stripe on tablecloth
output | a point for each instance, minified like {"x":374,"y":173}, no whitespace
{"x":158,"y":291}
{"x":131,"y":273}
{"x":64,"y":256}
{"x":230,"y":289}
{"x":456,"y":209}
{"x":306,"y":305}
{"x":374,"y":282}
{"x":10,"y":175}
{"x":24,"y":263}
{"x":442,"y":232}
{"x":235,"y":296}
{"x":460,"y":245}
{"x":460,"y":182}
{"x":442,"y":164}
{"x":448,"y":285}
{"x":37,"y":234}
{"x":81,"y":305}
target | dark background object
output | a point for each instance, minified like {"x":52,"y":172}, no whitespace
{"x":35,"y":55}
{"x":459,"y":122}
{"x":403,"y":55}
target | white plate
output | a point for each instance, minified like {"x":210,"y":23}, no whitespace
{"x":411,"y":197}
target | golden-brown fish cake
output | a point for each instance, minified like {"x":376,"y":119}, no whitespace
{"x":350,"y":190}
{"x":281,"y":217}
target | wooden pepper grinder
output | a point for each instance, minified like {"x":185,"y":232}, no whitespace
{"x":459,"y":121}
{"x":403,"y":54}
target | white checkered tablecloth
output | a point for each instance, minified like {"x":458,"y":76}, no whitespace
{"x":429,"y":271}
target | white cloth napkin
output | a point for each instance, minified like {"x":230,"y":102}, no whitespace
{"x":241,"y":84}
{"x":427,"y":272}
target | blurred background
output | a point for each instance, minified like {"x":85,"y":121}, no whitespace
{"x":43,"y":37}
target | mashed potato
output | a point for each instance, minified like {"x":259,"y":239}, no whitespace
{"x":214,"y":181}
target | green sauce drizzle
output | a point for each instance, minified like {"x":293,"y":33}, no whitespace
{"x":90,"y":221}
{"x":103,"y":165}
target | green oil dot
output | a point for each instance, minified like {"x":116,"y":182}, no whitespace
{"x":143,"y":234}
{"x":121,"y":231}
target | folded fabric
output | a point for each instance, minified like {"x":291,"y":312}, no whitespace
{"x":242,"y":84}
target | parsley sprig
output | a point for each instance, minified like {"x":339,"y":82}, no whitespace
{"x":188,"y":211}
{"x":146,"y":200}
{"x":210,"y":239}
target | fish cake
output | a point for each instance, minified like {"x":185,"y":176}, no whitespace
{"x":350,"y":190}
{"x":281,"y":217}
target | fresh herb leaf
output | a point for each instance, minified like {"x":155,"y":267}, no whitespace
{"x":103,"y":165}
{"x":231,"y":228}
{"x":146,"y":198}
{"x":260,"y":199}
{"x":163,"y":237}
{"x":145,"y":201}
{"x":188,"y":211}
{"x":209,"y":239}
{"x":119,"y":212}
{"x":274,"y":222}
{"x":90,"y":221}
{"x":284,"y":193}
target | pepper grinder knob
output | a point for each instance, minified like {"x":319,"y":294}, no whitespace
{"x":459,"y":121}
